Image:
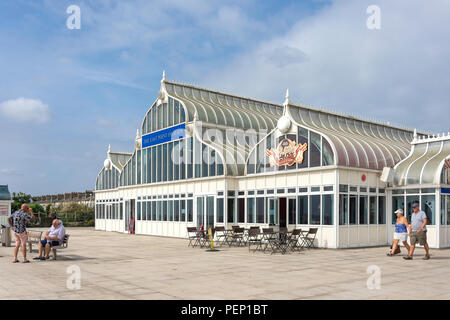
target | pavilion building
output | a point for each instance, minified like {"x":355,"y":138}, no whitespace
{"x":206,"y":158}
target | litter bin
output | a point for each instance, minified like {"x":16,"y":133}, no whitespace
{"x":6,"y":236}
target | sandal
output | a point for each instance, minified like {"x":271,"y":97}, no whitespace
{"x":15,"y":261}
{"x":390,"y":254}
{"x":427,"y":257}
{"x":26,"y":261}
{"x":407,"y":257}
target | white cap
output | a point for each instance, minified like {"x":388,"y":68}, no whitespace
{"x":399,"y":211}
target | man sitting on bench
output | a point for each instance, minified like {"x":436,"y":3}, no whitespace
{"x":53,"y":237}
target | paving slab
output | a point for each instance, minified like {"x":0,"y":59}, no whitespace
{"x":122,"y":266}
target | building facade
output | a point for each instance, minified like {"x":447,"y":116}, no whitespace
{"x":205,"y":158}
{"x":5,"y":204}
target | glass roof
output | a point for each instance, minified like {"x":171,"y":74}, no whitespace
{"x":425,"y":162}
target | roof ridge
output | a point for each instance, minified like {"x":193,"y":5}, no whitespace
{"x":222,"y":93}
{"x":308,"y":107}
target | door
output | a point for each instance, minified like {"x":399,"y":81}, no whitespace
{"x":205,"y":212}
{"x":292,"y":211}
{"x":127,"y":215}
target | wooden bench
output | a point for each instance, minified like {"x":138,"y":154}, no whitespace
{"x":62,"y":246}
{"x":34,"y":237}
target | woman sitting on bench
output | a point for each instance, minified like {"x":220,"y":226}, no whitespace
{"x":53,"y":237}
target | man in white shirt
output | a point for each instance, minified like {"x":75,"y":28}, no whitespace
{"x":53,"y":237}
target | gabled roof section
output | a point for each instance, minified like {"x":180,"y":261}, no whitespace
{"x":224,"y":109}
{"x":358,"y":143}
{"x":425,"y":162}
{"x":119,"y":159}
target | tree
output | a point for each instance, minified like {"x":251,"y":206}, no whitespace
{"x":19,"y":199}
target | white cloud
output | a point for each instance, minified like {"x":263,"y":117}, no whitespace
{"x":25,"y":110}
{"x":331,"y":59}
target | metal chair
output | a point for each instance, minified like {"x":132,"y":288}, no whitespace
{"x":254,"y":237}
{"x":309,"y":238}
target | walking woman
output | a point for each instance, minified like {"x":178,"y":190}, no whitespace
{"x":400,"y":233}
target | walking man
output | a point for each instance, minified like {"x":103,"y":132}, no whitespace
{"x":18,"y":220}
{"x":418,"y":232}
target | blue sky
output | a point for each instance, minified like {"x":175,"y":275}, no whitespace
{"x":66,"y":94}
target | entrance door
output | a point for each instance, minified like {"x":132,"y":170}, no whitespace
{"x":130,"y":206}
{"x":205,"y":211}
{"x":283,"y":211}
{"x":127,"y":215}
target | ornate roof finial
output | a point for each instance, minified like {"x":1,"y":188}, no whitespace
{"x":137,"y":134}
{"x":415,"y":134}
{"x":164,"y":76}
{"x":109,"y":148}
{"x":287,"y":100}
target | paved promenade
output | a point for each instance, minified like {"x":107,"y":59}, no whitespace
{"x":120,"y":266}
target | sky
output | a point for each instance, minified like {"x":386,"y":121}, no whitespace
{"x":65,"y":94}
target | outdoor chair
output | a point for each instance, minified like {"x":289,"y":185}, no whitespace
{"x":254,"y":237}
{"x":267,"y":235}
{"x":293,"y":240}
{"x":309,"y":238}
{"x":192,"y":236}
{"x":221,"y":235}
{"x":237,"y":237}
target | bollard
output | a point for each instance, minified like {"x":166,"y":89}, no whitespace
{"x":6,"y":236}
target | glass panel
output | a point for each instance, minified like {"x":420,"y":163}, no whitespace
{"x":153,"y":164}
{"x":409,"y":202}
{"x":159,"y":163}
{"x":230,"y":210}
{"x":210,"y":212}
{"x":448,"y":210}
{"x":139,"y":167}
{"x":154,"y":212}
{"x":164,"y":165}
{"x":327,"y":209}
{"x":292,"y":210}
{"x":302,"y":138}
{"x":138,"y":211}
{"x":241,"y":210}
{"x":260,"y":210}
{"x":164,"y":210}
{"x":273,"y":211}
{"x":373,"y":210}
{"x":197,"y":158}
{"x":170,"y":204}
{"x":314,"y":149}
{"x":190,"y":210}
{"x":149,"y":211}
{"x":382,"y":210}
{"x":251,"y":210}
{"x":170,"y":165}
{"x":205,"y":160}
{"x":183,"y":210}
{"x":398,"y":202}
{"x":363,"y":210}
{"x":327,"y":153}
{"x":144,"y":211}
{"x":200,"y":212}
{"x":302,"y":210}
{"x":353,"y":209}
{"x":219,"y":208}
{"x":343,"y":209}
{"x":428,"y":206}
{"x":315,"y":209}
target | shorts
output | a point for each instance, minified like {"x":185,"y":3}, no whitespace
{"x":21,"y":238}
{"x":53,"y":243}
{"x":419,"y":237}
{"x":403,"y":236}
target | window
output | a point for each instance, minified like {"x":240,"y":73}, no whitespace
{"x":343,"y":209}
{"x":428,"y":206}
{"x":314,"y":149}
{"x":219,"y":213}
{"x":292,"y":210}
{"x":327,"y":209}
{"x":315,"y":209}
{"x":190,"y":210}
{"x":373,"y":210}
{"x":363,"y":210}
{"x":250,"y":210}
{"x":353,"y":206}
{"x":241,"y":210}
{"x":176,"y":210}
{"x":260,"y":210}
{"x":302,"y":210}
{"x":382,"y":210}
{"x":230,"y":210}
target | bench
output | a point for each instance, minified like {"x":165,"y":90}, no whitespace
{"x":62,"y":246}
{"x":34,"y":237}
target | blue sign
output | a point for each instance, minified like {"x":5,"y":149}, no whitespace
{"x":164,"y":135}
{"x":445,"y":190}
